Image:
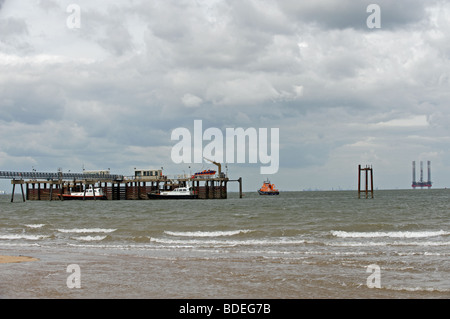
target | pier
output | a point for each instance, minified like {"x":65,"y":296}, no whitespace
{"x":51,"y":186}
{"x":368,"y":169}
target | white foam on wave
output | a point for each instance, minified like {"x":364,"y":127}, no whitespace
{"x":87,"y":230}
{"x":395,"y":234}
{"x":22,"y":236}
{"x":207,"y":233}
{"x":419,"y":289}
{"x":90,"y":238}
{"x":111,"y":246}
{"x":203,"y":242}
{"x":35,"y":225}
{"x":384,"y":243}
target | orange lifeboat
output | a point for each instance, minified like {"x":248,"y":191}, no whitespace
{"x":268,"y":189}
{"x":203,"y":173}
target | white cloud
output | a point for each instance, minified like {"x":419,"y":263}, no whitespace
{"x":414,"y":121}
{"x":191,"y":100}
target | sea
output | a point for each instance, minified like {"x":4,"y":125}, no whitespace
{"x":298,"y":245}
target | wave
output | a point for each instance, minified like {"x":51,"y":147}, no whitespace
{"x":395,"y":234}
{"x":384,"y":243}
{"x":90,"y":238}
{"x":207,"y":233}
{"x":199,"y":242}
{"x":15,"y":244}
{"x":22,"y":236}
{"x":417,"y":289}
{"x":87,"y":230}
{"x":34,"y":225}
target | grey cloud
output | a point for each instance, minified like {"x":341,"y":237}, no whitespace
{"x":12,"y":27}
{"x":310,"y":69}
{"x":353,"y":14}
{"x":13,"y":32}
{"x":229,"y":35}
{"x":31,"y":103}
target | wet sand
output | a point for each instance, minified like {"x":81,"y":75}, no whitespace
{"x":15,"y":259}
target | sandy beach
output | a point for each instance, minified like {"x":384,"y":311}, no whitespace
{"x":15,"y":259}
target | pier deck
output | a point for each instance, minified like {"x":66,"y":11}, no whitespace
{"x":51,"y":186}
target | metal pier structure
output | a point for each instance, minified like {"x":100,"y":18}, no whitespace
{"x":57,"y":176}
{"x":421,"y":183}
{"x":52,"y":185}
{"x":368,"y":169}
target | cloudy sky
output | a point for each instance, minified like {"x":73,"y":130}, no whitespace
{"x":108,"y":93}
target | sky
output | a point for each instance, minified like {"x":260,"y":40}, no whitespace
{"x":102,"y":85}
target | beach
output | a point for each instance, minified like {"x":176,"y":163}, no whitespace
{"x":15,"y":259}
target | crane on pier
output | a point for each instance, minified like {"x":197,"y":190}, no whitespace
{"x":219,"y":166}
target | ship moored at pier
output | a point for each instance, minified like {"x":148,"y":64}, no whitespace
{"x":177,"y":193}
{"x":90,"y":193}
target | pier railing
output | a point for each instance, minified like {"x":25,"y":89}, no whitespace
{"x":58,"y":175}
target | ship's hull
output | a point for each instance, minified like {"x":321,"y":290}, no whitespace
{"x":158,"y":196}
{"x":77,"y":197}
{"x":268,"y":193}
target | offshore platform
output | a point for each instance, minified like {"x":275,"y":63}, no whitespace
{"x":421,"y":183}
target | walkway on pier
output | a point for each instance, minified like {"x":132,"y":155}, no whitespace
{"x":59,"y":176}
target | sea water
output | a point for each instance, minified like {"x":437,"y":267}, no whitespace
{"x":324,"y":244}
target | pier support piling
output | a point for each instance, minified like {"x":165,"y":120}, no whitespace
{"x":12,"y":193}
{"x":367,"y":169}
{"x":14,"y":182}
{"x":240,"y":187}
